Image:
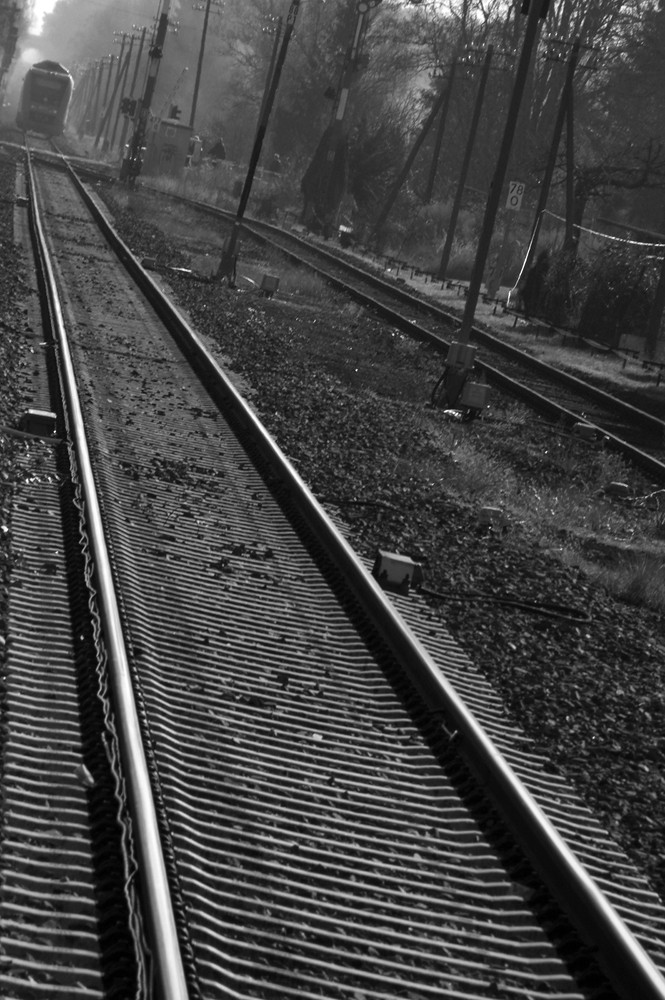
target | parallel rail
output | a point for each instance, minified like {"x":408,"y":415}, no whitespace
{"x":557,"y":394}
{"x":633,"y":432}
{"x":550,"y":391}
{"x":295,"y":732}
{"x":158,"y":909}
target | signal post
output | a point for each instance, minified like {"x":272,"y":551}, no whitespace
{"x":131,"y":165}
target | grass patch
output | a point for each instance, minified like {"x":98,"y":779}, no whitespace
{"x":636,"y":579}
{"x":297,"y":280}
{"x":550,"y":486}
{"x":659,"y":525}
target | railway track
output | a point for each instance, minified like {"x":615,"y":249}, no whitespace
{"x":233,"y":715}
{"x":556,"y":394}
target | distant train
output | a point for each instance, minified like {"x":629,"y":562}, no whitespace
{"x":45,"y":96}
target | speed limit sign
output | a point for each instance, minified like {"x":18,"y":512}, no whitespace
{"x":515,"y":192}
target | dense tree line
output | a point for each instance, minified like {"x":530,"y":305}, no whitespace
{"x":617,"y":158}
{"x":14,"y":21}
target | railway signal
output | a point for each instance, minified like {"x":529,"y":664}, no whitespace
{"x":323,"y":182}
{"x":132,"y":163}
{"x":138,"y":34}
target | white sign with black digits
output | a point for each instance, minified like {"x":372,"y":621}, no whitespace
{"x":515,"y":193}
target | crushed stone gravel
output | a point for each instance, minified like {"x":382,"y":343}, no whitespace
{"x":13,"y":353}
{"x":588,"y":687}
{"x":591,"y":692}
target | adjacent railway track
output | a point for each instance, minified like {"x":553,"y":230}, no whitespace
{"x":551,"y":392}
{"x":232,"y":765}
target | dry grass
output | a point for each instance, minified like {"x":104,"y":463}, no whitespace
{"x":550,"y":485}
{"x":297,"y":281}
{"x":560,"y":502}
{"x":560,"y":498}
{"x":637,"y":579}
{"x":659,"y":525}
{"x":600,"y":365}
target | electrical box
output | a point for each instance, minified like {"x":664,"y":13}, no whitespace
{"x":618,"y":489}
{"x":168,"y":149}
{"x":474,"y":395}
{"x":39,"y":422}
{"x":493,"y":517}
{"x":585,"y":431}
{"x":396,"y":571}
{"x":460,"y":356}
{"x":269,"y":285}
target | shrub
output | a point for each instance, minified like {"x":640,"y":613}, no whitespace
{"x":461,"y":262}
{"x":618,"y":295}
{"x":639,"y":579}
{"x":563,"y":288}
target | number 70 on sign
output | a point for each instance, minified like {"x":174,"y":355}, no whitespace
{"x":515,"y":193}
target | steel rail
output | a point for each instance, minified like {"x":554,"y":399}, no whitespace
{"x":544,"y":405}
{"x":518,"y":389}
{"x":160,"y":921}
{"x":648,"y":420}
{"x":629,"y":968}
{"x":535,"y":399}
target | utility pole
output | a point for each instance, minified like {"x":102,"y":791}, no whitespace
{"x":108,"y":85}
{"x":81,"y":94}
{"x":125,"y":73}
{"x":536,"y":11}
{"x":273,"y":59}
{"x":546,"y":183}
{"x":471,"y":138}
{"x":90,"y":115}
{"x":227,"y":265}
{"x":571,"y":239}
{"x":199,"y":65}
{"x":131,"y":165}
{"x":439,"y":134}
{"x":121,"y":69}
{"x":87,"y":88}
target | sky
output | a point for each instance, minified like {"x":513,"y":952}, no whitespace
{"x":41,"y":7}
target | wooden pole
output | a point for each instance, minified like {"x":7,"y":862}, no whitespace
{"x":496,"y":187}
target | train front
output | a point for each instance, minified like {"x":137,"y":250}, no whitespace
{"x":47,"y":90}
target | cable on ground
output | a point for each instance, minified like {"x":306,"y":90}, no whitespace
{"x":549,"y":610}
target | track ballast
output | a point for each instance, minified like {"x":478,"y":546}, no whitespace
{"x":322,"y":830}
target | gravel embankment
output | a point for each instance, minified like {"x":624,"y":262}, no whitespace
{"x":591,"y":693}
{"x":13,"y":354}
